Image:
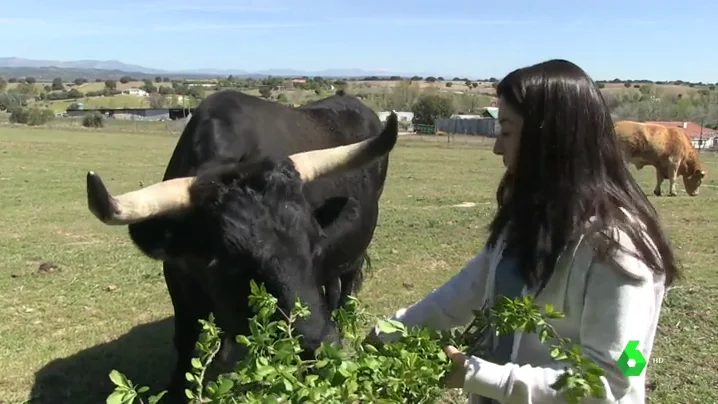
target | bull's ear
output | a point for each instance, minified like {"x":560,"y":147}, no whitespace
{"x":330,"y":210}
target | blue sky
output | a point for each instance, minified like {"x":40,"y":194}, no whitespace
{"x":658,"y":40}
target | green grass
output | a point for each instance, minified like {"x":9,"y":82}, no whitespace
{"x":116,"y":101}
{"x":105,"y":306}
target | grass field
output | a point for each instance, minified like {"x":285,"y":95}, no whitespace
{"x":79,"y":300}
{"x":116,"y":101}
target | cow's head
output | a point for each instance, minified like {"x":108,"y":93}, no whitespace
{"x":245,"y":220}
{"x":692,"y":180}
{"x":692,"y":172}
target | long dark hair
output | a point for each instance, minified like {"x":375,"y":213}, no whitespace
{"x":569,"y":169}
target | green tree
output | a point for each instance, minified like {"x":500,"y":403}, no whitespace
{"x":30,"y":80}
{"x":57,"y":84}
{"x":149,"y":87}
{"x":110,"y":84}
{"x":196,"y":91}
{"x":8,"y":101}
{"x":430,"y":107}
{"x":75,"y":94}
{"x":3,"y":84}
{"x":27,"y":89}
{"x":265,"y":91}
{"x":157,"y":100}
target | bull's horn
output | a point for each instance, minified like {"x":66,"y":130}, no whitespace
{"x":316,"y":163}
{"x":135,"y":206}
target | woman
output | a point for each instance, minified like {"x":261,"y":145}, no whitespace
{"x":573,"y":229}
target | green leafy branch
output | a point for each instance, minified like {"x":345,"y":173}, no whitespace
{"x":581,"y":375}
{"x":410,"y":370}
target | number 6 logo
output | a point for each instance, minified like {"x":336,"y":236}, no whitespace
{"x":631,"y":362}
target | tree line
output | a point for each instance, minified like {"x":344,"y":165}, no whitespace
{"x":650,"y":102}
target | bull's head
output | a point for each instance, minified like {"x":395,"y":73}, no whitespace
{"x":245,"y":221}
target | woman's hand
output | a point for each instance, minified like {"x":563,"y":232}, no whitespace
{"x":455,"y":378}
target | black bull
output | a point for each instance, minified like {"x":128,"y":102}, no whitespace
{"x":241,"y":200}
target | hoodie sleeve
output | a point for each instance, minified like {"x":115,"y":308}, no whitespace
{"x":451,"y":304}
{"x":615,"y":312}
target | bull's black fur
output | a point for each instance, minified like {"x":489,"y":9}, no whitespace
{"x":253,"y":218}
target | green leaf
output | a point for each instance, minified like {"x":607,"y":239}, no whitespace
{"x":196,"y":363}
{"x":390,"y":326}
{"x":117,"y":397}
{"x":117,"y":378}
{"x":156,"y":398}
{"x":224,"y":386}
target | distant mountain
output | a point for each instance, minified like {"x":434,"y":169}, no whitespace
{"x":69,"y":74}
{"x":94,"y":69}
{"x":77,"y":64}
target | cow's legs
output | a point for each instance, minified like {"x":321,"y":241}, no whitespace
{"x":659,"y":181}
{"x":190,"y":304}
{"x":672,"y":172}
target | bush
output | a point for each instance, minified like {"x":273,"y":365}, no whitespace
{"x":93,"y":120}
{"x":31,"y":116}
{"x":430,"y":107}
{"x":409,"y":370}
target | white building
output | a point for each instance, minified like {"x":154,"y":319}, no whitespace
{"x":136,"y":91}
{"x":403,"y":116}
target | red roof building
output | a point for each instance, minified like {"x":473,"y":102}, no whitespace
{"x":692,"y":129}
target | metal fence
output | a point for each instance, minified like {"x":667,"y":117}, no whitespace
{"x":479,"y":126}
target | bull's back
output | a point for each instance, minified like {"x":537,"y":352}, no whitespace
{"x":230,"y":124}
{"x":643,"y":142}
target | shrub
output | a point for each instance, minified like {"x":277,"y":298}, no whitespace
{"x":409,"y":370}
{"x":93,"y":120}
{"x":31,"y":116}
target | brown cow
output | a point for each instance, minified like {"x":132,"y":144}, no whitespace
{"x":665,"y":148}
